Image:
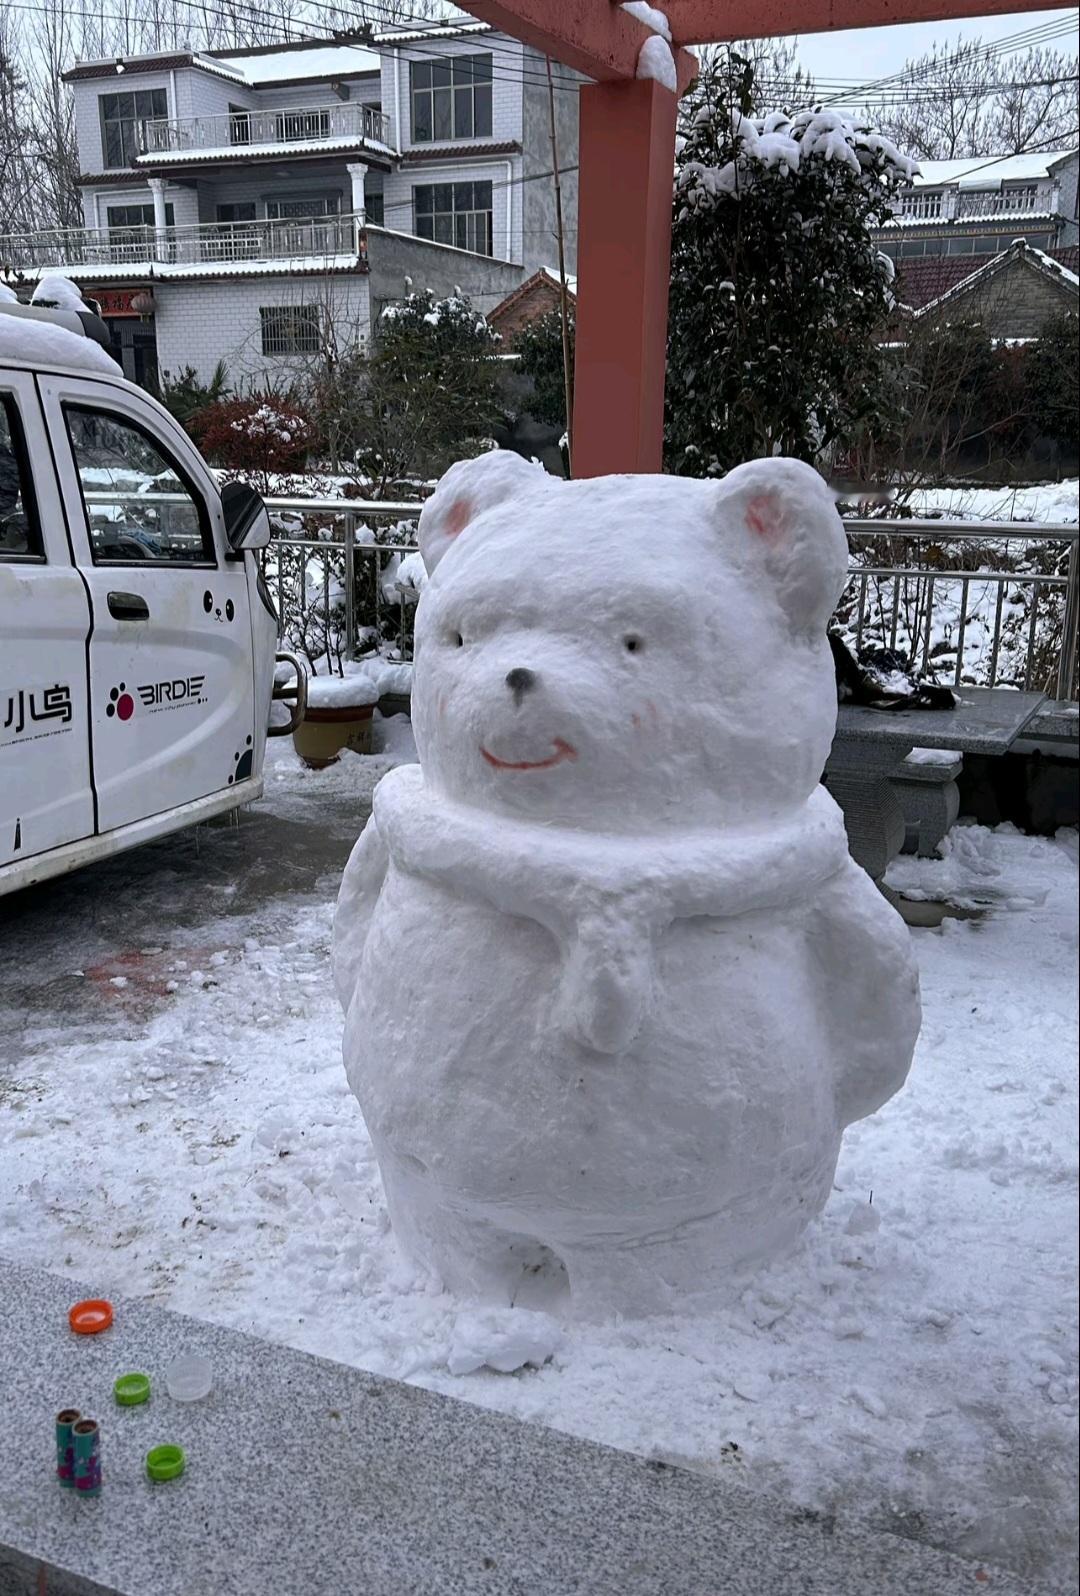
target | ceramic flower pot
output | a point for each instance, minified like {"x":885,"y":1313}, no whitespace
{"x":325,"y":731}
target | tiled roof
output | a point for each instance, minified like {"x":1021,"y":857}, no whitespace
{"x":451,"y":152}
{"x":127,"y":66}
{"x":927,"y":277}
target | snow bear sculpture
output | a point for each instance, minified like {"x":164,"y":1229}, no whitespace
{"x":613,"y":984}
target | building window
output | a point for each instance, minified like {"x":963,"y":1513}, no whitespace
{"x":239,"y":125}
{"x":132,"y":219}
{"x":455,"y":213}
{"x":290,"y":329}
{"x":121,"y":115}
{"x":451,"y":99}
{"x":373,"y":209}
{"x":238,"y":211}
{"x":961,"y":245}
{"x":280,"y":210}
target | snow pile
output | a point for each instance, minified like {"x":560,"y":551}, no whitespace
{"x":921,"y":1376}
{"x":58,"y":293}
{"x":8,"y":296}
{"x":780,"y":142}
{"x":360,"y":683}
{"x":656,"y":57}
{"x":649,"y":15}
{"x":504,"y":1339}
{"x":43,"y":343}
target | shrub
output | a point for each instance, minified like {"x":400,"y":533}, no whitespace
{"x":256,"y":438}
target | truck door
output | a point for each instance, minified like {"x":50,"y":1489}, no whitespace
{"x":45,"y":793}
{"x":171,"y":673}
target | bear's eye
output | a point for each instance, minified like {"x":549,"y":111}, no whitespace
{"x":456,"y":640}
{"x":633,"y":644}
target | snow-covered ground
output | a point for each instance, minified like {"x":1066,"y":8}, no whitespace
{"x":175,"y":1124}
{"x":1050,"y":503}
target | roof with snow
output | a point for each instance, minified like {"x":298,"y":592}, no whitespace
{"x":329,"y":61}
{"x":449,"y":30}
{"x":1020,"y":250}
{"x":988,"y":171}
{"x":927,"y":277}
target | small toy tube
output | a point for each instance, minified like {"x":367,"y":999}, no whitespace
{"x":65,"y":1445}
{"x":87,"y":1439}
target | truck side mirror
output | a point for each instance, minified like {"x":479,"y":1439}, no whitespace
{"x":247,"y":525}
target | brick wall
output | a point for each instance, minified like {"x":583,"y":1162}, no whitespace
{"x":538,"y":300}
{"x":1016,"y":301}
{"x":198,"y":324}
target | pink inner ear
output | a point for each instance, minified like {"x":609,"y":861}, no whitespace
{"x":457,"y":518}
{"x":764,"y":517}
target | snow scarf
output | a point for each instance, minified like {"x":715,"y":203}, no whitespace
{"x":605,"y":899}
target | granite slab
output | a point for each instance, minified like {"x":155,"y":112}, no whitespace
{"x":986,"y":720}
{"x":306,"y":1478}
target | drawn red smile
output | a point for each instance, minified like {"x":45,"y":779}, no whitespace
{"x":562,"y":751}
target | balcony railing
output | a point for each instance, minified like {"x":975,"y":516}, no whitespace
{"x":242,"y":130}
{"x":210,"y":243}
{"x":952,"y":205}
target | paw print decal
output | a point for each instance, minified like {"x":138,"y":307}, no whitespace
{"x":242,"y":763}
{"x":211,"y":608}
{"x":121,"y":704}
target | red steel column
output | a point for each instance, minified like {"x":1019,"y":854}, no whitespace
{"x":626,"y":162}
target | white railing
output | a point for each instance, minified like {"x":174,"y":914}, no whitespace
{"x":205,"y":243}
{"x":240,"y":130}
{"x":951,"y":204}
{"x":924,"y":589}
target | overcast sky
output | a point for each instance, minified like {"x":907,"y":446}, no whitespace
{"x":867,"y":53}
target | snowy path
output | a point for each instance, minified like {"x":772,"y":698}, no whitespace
{"x":175,"y":1123}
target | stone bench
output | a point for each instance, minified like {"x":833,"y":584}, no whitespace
{"x":871,"y":747}
{"x":306,"y":1478}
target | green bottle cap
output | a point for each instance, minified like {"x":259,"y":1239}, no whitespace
{"x":131,"y":1389}
{"x":165,"y":1462}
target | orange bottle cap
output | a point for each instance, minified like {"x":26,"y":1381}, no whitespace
{"x":87,"y":1318}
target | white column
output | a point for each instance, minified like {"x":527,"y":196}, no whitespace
{"x":357,"y":172}
{"x":157,"y":194}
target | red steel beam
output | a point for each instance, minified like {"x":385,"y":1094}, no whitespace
{"x":711,"y":22}
{"x":627,"y":136}
{"x":594,"y":37}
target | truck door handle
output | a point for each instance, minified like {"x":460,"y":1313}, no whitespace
{"x":128,"y":607}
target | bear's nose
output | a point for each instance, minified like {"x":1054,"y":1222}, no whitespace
{"x":519,"y":680}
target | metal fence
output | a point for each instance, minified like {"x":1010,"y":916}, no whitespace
{"x":199,"y":244}
{"x":341,"y":122}
{"x":922,"y":589}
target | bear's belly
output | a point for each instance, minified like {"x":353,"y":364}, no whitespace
{"x":468,"y":1079}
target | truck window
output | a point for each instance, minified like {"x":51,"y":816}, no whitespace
{"x":140,"y":505}
{"x":20,"y":534}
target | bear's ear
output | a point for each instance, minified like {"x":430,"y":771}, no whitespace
{"x":465,"y":492}
{"x":788,"y":523}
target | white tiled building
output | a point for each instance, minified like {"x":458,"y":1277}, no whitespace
{"x":980,"y":205}
{"x":247,"y":207}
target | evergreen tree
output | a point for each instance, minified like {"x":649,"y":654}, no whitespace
{"x":777,"y":289}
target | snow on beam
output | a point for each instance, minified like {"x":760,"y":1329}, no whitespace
{"x":713,"y":21}
{"x":594,"y":37}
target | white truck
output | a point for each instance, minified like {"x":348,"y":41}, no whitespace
{"x":137,"y":636}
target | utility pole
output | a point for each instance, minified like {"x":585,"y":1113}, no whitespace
{"x":568,"y":381}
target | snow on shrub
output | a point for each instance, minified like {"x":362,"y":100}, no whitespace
{"x":255,"y":437}
{"x":778,"y":292}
